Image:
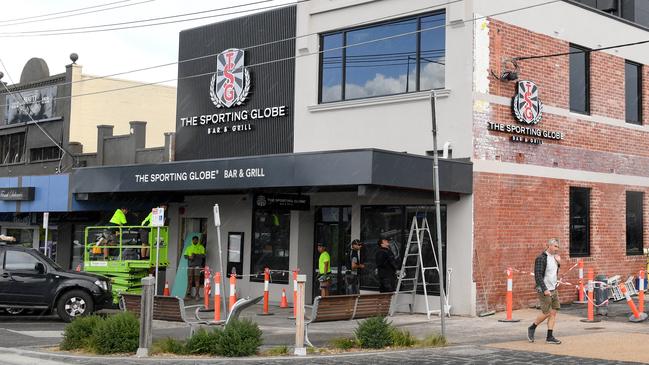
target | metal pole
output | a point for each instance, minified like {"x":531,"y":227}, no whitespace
{"x":157,"y":260}
{"x":438,"y":218}
{"x":218,"y":239}
{"x":46,"y":251}
{"x":146,"y":317}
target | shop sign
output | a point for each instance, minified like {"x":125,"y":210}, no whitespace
{"x":22,"y":194}
{"x":229,"y":87}
{"x":528,"y":111}
{"x":36,"y":104}
{"x":284,"y":201}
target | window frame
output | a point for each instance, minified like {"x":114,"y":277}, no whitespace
{"x":572,"y":252}
{"x":42,"y":150}
{"x":641,"y":226}
{"x":9,"y":139}
{"x":586,"y":51}
{"x":259,"y":277}
{"x":638,"y":91}
{"x":344,"y":32}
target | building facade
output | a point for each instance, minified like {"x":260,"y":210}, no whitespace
{"x":312,"y":123}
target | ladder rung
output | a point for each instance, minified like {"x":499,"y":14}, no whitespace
{"x":405,"y":291}
{"x":430,"y":268}
{"x":409,"y":267}
{"x":407,"y":279}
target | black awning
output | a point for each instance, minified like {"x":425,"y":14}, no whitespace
{"x":309,"y":169}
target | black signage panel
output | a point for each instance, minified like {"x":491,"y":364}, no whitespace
{"x":235,"y":94}
{"x":22,"y":194}
{"x":33,"y":104}
{"x":283,"y":201}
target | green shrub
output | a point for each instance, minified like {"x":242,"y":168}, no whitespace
{"x":434,"y":340}
{"x":343,"y":343}
{"x":77,"y":333}
{"x":204,"y":342}
{"x":374,"y":333}
{"x":116,"y":334}
{"x":239,"y":338}
{"x":402,"y":338}
{"x":278,"y":351}
{"x":168,"y":346}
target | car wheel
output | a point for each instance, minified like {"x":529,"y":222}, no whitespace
{"x":14,"y":311}
{"x":73,"y":304}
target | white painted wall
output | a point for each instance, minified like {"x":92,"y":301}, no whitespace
{"x":398,"y":123}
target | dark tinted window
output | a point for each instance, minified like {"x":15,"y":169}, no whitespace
{"x":271,"y":231}
{"x":633,"y":92}
{"x":44,"y":154}
{"x":19,"y":261}
{"x":12,"y":148}
{"x":579,"y":79}
{"x":579,"y":221}
{"x":384,"y":59}
{"x":634,"y":226}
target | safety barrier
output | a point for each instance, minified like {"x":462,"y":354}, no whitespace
{"x":641,"y":288}
{"x":637,"y":315}
{"x":581,"y":299}
{"x":591,"y":300}
{"x":510,"y":297}
{"x":206,"y":287}
{"x":217,"y":296}
{"x":266,"y":294}
{"x":233,"y":291}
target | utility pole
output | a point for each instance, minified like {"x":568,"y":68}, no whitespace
{"x":438,"y":217}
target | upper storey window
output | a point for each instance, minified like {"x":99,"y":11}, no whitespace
{"x":383,"y":59}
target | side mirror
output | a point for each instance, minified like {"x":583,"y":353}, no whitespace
{"x":40,"y":268}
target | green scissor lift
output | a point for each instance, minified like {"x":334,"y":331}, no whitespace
{"x":115,"y":252}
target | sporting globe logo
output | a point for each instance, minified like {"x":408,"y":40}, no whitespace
{"x":230,"y":84}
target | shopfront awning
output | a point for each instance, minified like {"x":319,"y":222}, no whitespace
{"x":309,"y":169}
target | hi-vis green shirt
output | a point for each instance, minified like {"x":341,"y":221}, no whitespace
{"x":324,"y":258}
{"x":118,"y":218}
{"x":147,"y":220}
{"x":194,"y":249}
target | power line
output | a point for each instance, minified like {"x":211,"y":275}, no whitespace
{"x":308,"y":54}
{"x":122,"y":25}
{"x":63,"y":12}
{"x":251,"y":47}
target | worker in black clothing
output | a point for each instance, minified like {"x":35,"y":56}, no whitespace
{"x":387,"y":266}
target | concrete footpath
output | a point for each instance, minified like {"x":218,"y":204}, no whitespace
{"x":614,"y":340}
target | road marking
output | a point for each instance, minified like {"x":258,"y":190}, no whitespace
{"x":39,"y":334}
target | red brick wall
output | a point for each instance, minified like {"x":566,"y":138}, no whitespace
{"x":515,"y":215}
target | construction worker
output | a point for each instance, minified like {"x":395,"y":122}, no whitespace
{"x":324,"y":270}
{"x":195,"y":254}
{"x":144,"y":233}
{"x":118,"y":219}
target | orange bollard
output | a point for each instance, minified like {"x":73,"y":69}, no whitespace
{"x":637,"y":316}
{"x":591,"y":298}
{"x":166,"y":292}
{"x":217,"y":296}
{"x":206,"y":287}
{"x":294,"y":294}
{"x":233,"y":290}
{"x":509,"y":299}
{"x":284,"y":302}
{"x":581,"y":299}
{"x":266,"y":294}
{"x":641,"y":277}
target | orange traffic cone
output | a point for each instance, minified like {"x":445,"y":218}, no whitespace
{"x":78,"y":268}
{"x":284,"y":302}
{"x":165,"y":292}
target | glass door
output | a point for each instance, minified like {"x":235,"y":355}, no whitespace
{"x":333,"y":228}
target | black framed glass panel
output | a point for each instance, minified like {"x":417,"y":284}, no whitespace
{"x":633,"y":92}
{"x":579,"y":79}
{"x":634,"y":224}
{"x":271,"y":231}
{"x":432,"y":52}
{"x":579,"y":221}
{"x":331,"y":68}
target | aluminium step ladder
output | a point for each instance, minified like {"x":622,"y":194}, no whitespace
{"x":414,"y":267}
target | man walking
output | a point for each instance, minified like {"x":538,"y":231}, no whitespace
{"x":546,"y":271}
{"x":386,"y":266}
{"x":352,"y":274}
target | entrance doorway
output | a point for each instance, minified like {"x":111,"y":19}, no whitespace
{"x":333,"y":228}
{"x":188,"y":226}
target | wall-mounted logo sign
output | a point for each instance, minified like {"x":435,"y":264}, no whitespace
{"x":527,"y":106}
{"x":283,"y":201}
{"x":23,"y":194}
{"x":528,"y":110}
{"x":230,"y":84}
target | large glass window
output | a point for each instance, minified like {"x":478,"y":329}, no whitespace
{"x":44,"y":154}
{"x":393,"y":223}
{"x":579,"y":222}
{"x":24,"y":236}
{"x":634,"y":225}
{"x":271,"y":232}
{"x":12,"y":148}
{"x":633,"y":92}
{"x":579,"y":79}
{"x":384,"y":59}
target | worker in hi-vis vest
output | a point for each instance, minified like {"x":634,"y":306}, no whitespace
{"x":195,"y":254}
{"x":144,"y":233}
{"x":118,"y":219}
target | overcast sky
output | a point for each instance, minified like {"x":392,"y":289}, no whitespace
{"x":109,"y":52}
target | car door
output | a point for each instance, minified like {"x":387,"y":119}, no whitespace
{"x":25,"y":283}
{"x":4,"y":280}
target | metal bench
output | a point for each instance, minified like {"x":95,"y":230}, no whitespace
{"x":173,"y":309}
{"x":347,"y":308}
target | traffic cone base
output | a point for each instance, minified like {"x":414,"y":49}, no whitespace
{"x":586,"y":320}
{"x":642,"y":318}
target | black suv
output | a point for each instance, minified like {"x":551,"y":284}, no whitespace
{"x":28,"y":279}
